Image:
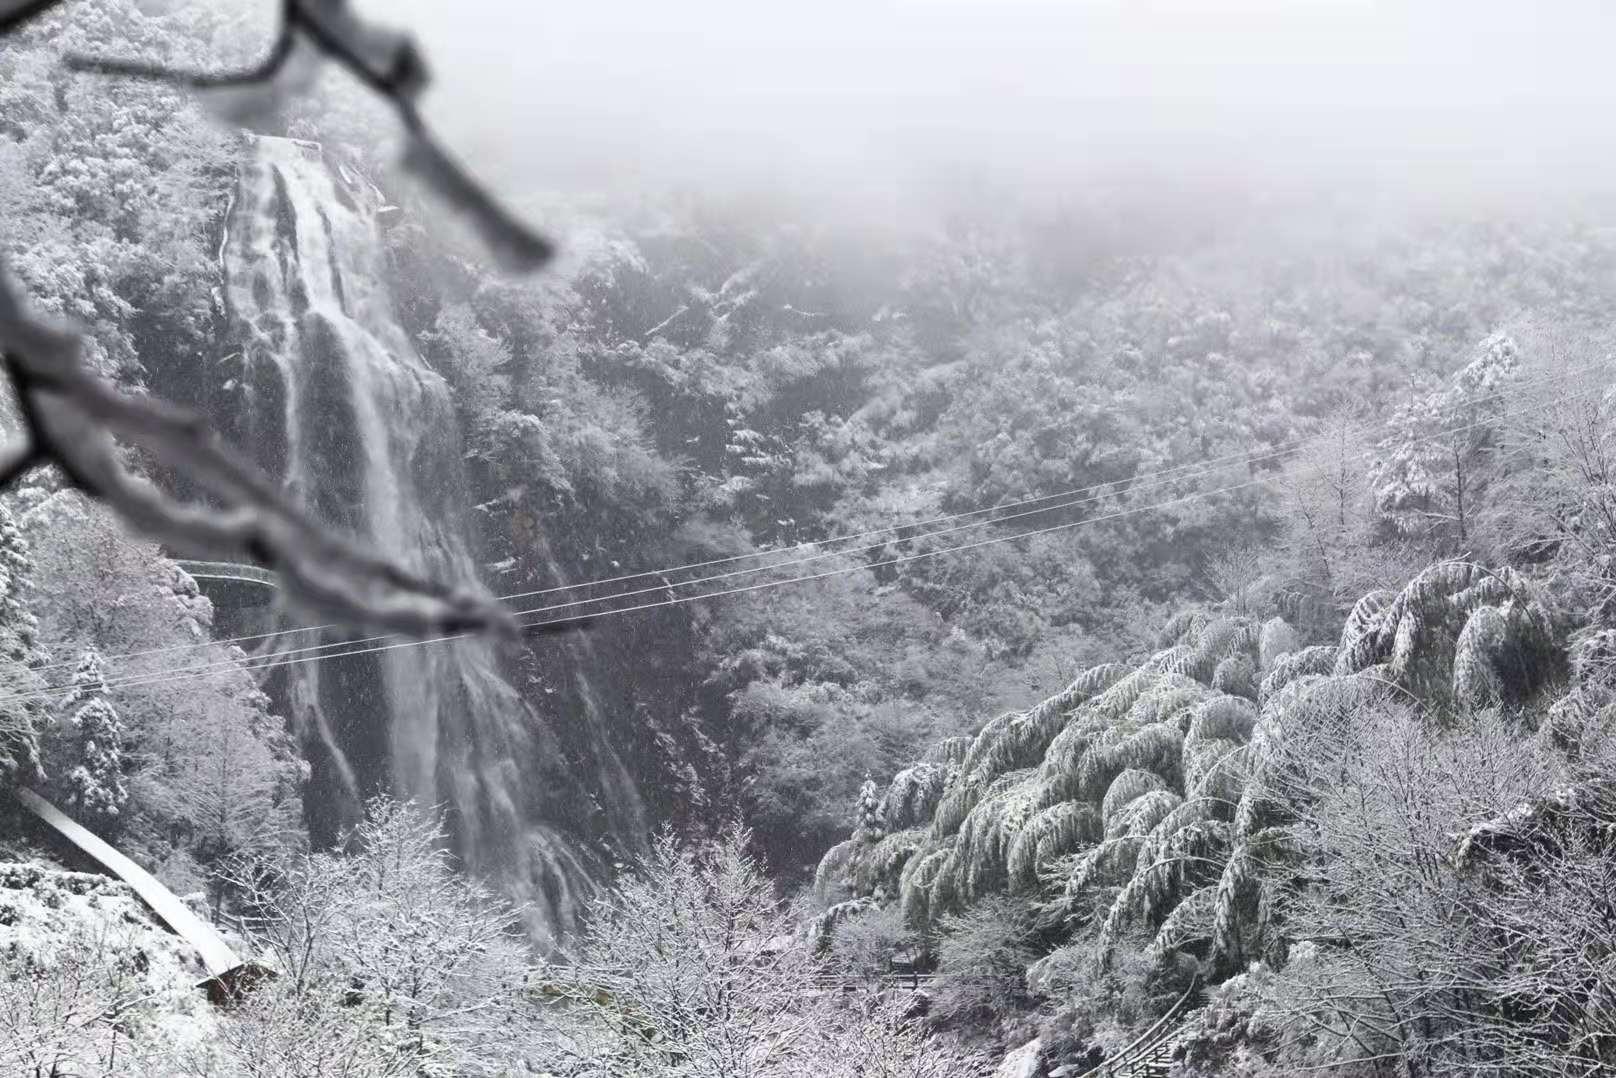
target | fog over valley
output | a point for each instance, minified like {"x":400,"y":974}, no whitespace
{"x":849,"y":100}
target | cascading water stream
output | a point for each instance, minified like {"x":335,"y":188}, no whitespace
{"x":333,"y":398}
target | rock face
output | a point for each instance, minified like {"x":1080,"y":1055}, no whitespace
{"x":1024,"y":1062}
{"x":323,"y":385}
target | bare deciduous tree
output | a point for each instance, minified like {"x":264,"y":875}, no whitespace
{"x":281,"y":1034}
{"x":384,"y":950}
{"x":1563,"y":482}
{"x":691,"y":969}
{"x":1413,"y":953}
{"x":1331,"y":543}
{"x":68,"y":1014}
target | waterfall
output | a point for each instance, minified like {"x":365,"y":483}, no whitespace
{"x":329,"y":394}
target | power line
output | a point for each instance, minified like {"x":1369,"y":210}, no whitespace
{"x":1146,"y":480}
{"x":670,"y":586}
{"x":287,"y":659}
{"x":1190,"y":470}
{"x":198,"y":646}
{"x":1161,"y":475}
{"x":275,"y":661}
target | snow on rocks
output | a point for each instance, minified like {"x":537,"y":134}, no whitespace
{"x":1024,"y":1062}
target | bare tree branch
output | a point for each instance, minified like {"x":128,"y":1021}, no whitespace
{"x":13,"y":13}
{"x":71,"y":417}
{"x":389,"y":63}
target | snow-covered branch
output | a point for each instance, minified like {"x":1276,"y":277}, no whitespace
{"x":385,"y":60}
{"x":71,"y":417}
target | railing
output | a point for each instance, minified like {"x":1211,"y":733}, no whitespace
{"x":850,"y":983}
{"x":1138,"y":1051}
{"x":217,"y":957}
{"x":229,"y":570}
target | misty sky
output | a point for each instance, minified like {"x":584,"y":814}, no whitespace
{"x":846,"y":95}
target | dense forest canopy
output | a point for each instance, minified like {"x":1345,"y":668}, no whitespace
{"x":1130,"y":598}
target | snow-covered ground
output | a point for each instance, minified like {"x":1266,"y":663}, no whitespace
{"x":82,"y":962}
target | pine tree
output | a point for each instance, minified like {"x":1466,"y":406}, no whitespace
{"x":19,"y":656}
{"x":867,"y":816}
{"x":95,"y":783}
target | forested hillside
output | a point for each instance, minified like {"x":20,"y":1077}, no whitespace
{"x":1117,"y":595}
{"x":696,"y":395}
{"x":690,"y":386}
{"x":1380,"y":834}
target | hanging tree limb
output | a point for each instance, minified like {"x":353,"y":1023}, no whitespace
{"x":70,"y":418}
{"x":385,"y":60}
{"x":13,"y":13}
{"x":71,"y":415}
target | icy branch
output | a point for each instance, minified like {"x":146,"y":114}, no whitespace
{"x":386,"y":61}
{"x":71,"y":417}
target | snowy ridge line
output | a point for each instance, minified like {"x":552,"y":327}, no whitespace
{"x":299,"y":656}
{"x":1145,"y":480}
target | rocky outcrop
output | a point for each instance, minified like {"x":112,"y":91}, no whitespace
{"x":1024,"y":1062}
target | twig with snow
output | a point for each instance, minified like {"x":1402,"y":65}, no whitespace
{"x":385,"y":60}
{"x":71,"y":417}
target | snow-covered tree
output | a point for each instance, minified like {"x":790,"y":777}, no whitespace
{"x":867,"y":816}
{"x":226,"y":784}
{"x":70,"y":1010}
{"x":94,"y":781}
{"x":691,"y":968}
{"x":392,"y":961}
{"x":19,"y":655}
{"x":1562,"y":486}
{"x":1432,"y":475}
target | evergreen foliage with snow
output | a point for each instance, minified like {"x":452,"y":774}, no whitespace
{"x":20,"y":655}
{"x":94,"y":780}
{"x":1157,"y":812}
